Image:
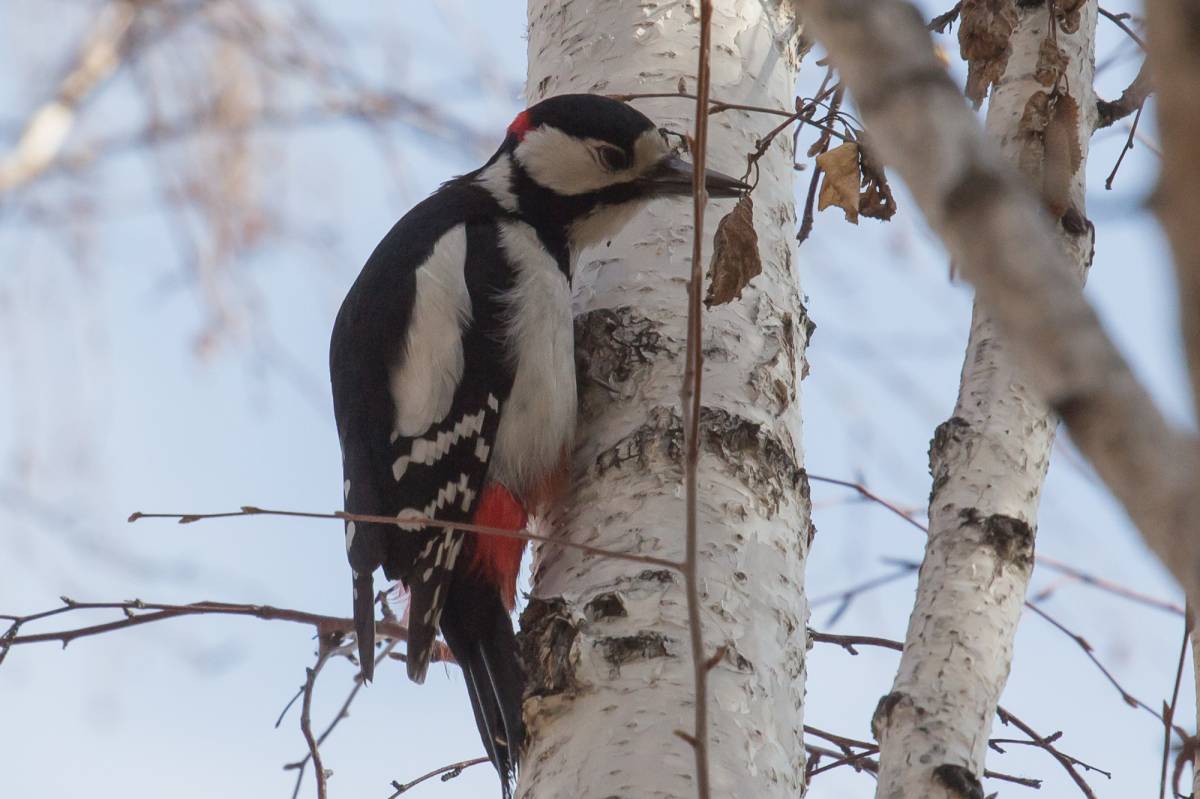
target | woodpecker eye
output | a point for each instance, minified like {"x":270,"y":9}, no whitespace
{"x":613,"y":158}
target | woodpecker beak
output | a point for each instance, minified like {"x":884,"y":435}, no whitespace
{"x":673,"y":178}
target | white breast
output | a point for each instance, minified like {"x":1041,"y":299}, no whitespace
{"x":537,"y":422}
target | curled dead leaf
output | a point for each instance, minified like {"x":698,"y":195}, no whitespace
{"x":1051,"y":62}
{"x":842,"y":179}
{"x":984,"y":33}
{"x":1068,"y":12}
{"x":876,"y":200}
{"x":735,"y":260}
{"x":1062,"y":155}
{"x":1034,"y":119}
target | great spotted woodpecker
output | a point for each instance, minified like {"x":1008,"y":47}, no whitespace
{"x":453,"y":372}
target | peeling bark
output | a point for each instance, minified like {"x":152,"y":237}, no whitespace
{"x":989,"y":460}
{"x":606,"y":640}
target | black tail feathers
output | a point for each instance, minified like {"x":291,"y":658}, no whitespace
{"x":364,"y":623}
{"x":479,"y":632}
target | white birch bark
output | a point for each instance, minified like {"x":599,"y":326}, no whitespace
{"x":988,"y":463}
{"x":606,"y":641}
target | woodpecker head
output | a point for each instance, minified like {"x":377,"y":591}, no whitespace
{"x":584,"y":164}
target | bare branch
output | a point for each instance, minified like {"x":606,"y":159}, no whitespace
{"x":1119,"y":21}
{"x":1130,"y":101}
{"x":408,"y":521}
{"x":447,"y":773}
{"x":156,"y":611}
{"x":689,"y":400}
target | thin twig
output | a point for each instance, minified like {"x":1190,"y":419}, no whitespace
{"x":942,"y":21}
{"x":447,"y":773}
{"x":343,"y":712}
{"x":314,"y":751}
{"x":1137,"y":117}
{"x":408,"y":521}
{"x":1119,"y":21}
{"x":1083,"y":644}
{"x":161,"y":612}
{"x":689,"y":396}
{"x":1099,"y":583}
{"x":1129,"y":102}
{"x":1068,"y":763}
{"x":848,"y":642}
{"x":1169,"y":708}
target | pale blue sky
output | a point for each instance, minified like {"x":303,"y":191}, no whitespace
{"x":106,"y":408}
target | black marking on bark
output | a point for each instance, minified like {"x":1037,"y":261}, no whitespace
{"x":608,"y":605}
{"x":615,"y":345}
{"x":958,"y":780}
{"x":545,"y":642}
{"x":657,"y":576}
{"x":619,"y":650}
{"x":1011,"y":538}
{"x":1074,"y":222}
{"x":881,"y":719}
{"x":806,"y":503}
{"x":953,"y":431}
{"x":749,"y":452}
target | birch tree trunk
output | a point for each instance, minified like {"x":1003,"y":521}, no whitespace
{"x":989,"y":460}
{"x":605,"y":641}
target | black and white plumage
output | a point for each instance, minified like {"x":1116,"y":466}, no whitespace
{"x":452,"y":362}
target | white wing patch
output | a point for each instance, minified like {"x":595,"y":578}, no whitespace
{"x":432,"y":362}
{"x":538,"y":422}
{"x":429,"y":451}
{"x":446,"y":496}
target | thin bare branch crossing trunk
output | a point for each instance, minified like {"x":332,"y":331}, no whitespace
{"x":606,"y":642}
{"x":989,"y":460}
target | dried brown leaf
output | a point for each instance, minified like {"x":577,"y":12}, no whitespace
{"x":735,"y":260}
{"x":1062,"y":155}
{"x":984,"y":33}
{"x":1068,"y":14}
{"x":1051,"y":62}
{"x":1034,"y":120}
{"x":876,"y":200}
{"x":842,"y":179}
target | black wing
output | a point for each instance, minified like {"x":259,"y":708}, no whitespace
{"x":439,"y":473}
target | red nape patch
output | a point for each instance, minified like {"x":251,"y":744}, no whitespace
{"x":520,"y":125}
{"x":498,"y":559}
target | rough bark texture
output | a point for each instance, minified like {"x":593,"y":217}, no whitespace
{"x":606,"y":641}
{"x":1174,"y":31}
{"x":999,"y":238}
{"x":989,"y":460}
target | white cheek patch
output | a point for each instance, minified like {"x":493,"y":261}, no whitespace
{"x":650,"y":148}
{"x":567,"y":165}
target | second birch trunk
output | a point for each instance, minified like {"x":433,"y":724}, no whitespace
{"x":989,"y":460}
